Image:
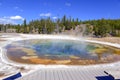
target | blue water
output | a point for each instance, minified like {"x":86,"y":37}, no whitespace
{"x":60,"y":48}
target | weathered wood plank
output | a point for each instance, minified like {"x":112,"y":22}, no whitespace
{"x":65,"y":74}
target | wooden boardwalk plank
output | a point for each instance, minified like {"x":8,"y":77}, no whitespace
{"x":55,"y":75}
{"x":79,"y":74}
{"x":43,"y":75}
{"x":59,"y":75}
{"x":65,"y":74}
{"x":61,"y":72}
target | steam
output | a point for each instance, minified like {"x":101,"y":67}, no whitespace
{"x":58,"y":47}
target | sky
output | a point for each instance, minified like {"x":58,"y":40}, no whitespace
{"x":15,"y":11}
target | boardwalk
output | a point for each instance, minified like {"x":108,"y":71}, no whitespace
{"x":68,"y":74}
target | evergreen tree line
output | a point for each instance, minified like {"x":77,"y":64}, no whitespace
{"x":105,"y":27}
{"x":101,"y":27}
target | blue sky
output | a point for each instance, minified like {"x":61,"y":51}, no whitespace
{"x":15,"y":11}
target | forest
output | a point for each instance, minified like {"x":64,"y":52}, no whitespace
{"x":100,"y":28}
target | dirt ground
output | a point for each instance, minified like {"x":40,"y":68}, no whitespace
{"x":107,"y":39}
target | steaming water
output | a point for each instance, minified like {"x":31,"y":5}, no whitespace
{"x":55,"y":51}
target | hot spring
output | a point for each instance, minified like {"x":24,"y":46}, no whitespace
{"x":66,"y":52}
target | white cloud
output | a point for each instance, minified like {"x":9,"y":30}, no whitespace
{"x":6,"y":21}
{"x":54,"y":17}
{"x":45,"y":14}
{"x":17,"y":17}
{"x":67,"y":4}
{"x":10,"y":20}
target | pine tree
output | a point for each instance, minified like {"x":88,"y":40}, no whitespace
{"x":25,"y":26}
